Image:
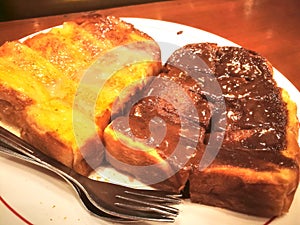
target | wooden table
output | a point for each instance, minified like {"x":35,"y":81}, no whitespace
{"x":270,"y":27}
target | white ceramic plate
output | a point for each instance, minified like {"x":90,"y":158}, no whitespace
{"x":31,"y":194}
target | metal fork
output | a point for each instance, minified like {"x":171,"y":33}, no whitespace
{"x":116,"y":200}
{"x":6,"y":150}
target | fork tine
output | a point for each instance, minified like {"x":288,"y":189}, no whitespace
{"x":168,"y":210}
{"x":146,"y":208}
{"x":151,"y":213}
{"x":160,"y":196}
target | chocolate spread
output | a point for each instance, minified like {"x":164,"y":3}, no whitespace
{"x":255,"y":113}
{"x":220,"y":106}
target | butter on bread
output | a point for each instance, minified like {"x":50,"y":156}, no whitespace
{"x":40,"y":78}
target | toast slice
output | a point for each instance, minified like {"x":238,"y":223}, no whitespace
{"x":246,"y":157}
{"x":58,"y":87}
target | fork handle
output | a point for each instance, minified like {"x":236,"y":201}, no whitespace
{"x":20,"y":145}
{"x":9,"y":151}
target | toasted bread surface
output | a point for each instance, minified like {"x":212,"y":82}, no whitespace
{"x":43,"y":88}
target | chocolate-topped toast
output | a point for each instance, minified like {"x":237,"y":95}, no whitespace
{"x":230,"y":133}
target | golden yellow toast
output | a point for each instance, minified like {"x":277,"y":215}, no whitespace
{"x":58,"y":87}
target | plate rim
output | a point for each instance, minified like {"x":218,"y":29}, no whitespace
{"x":191,"y":29}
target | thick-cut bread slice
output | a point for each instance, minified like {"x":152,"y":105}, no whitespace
{"x":256,"y":170}
{"x":248,"y":159}
{"x":58,"y":87}
{"x":113,"y":45}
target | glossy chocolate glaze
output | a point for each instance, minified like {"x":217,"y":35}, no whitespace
{"x":252,"y":97}
{"x":256,"y":115}
{"x":245,"y":137}
{"x":182,"y":106}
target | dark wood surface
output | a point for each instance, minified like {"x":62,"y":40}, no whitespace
{"x":270,"y":27}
